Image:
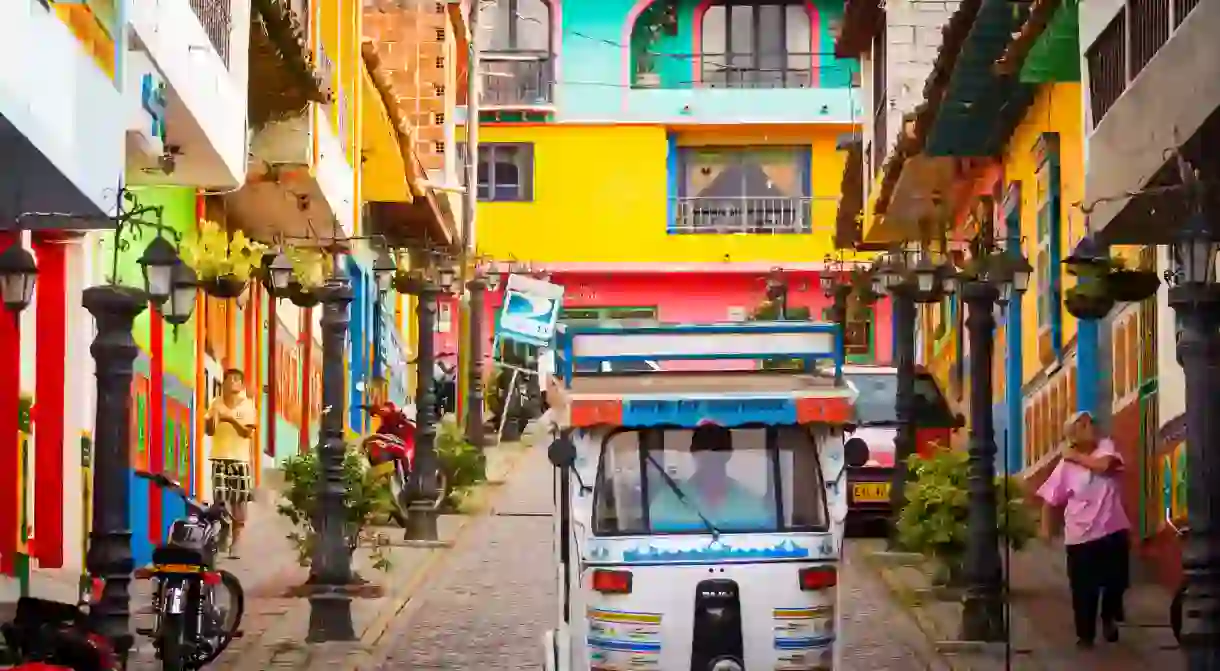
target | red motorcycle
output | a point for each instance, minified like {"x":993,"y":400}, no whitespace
{"x":391,"y":453}
{"x":51,"y":636}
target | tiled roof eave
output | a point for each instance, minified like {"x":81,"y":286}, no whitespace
{"x":1040,"y":15}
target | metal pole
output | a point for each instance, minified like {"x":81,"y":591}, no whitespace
{"x":904,"y":360}
{"x":109,"y":557}
{"x":1199,"y":353}
{"x":508,"y":404}
{"x":330,"y":609}
{"x":983,"y":603}
{"x":474,"y":387}
{"x":841,"y":297}
{"x":474,"y":391}
{"x":422,"y":513}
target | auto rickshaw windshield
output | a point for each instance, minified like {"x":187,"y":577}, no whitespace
{"x":741,"y":480}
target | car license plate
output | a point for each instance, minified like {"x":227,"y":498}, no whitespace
{"x":871,"y":492}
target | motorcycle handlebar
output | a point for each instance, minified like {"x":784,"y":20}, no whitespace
{"x":165,"y":482}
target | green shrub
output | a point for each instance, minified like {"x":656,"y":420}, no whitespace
{"x":462,"y":464}
{"x":366,"y":499}
{"x":933,"y":522}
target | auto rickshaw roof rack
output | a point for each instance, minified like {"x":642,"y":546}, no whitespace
{"x":685,"y":397}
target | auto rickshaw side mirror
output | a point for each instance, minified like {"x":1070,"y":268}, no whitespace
{"x":959,"y":421}
{"x":562,"y":452}
{"x":855,"y":453}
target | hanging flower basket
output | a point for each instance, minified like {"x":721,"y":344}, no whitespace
{"x":406,"y":283}
{"x":224,"y":263}
{"x":1131,"y":286}
{"x":1087,"y":306}
{"x":300,"y":296}
{"x":225,"y":286}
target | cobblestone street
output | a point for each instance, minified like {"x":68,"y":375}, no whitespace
{"x":488,"y":606}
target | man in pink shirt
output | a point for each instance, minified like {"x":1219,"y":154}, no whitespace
{"x":1084,"y":487}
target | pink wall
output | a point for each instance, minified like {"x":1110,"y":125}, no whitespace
{"x":694,"y":297}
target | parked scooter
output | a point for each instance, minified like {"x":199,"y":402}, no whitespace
{"x":192,"y":626}
{"x":391,"y":453}
{"x":52,"y":636}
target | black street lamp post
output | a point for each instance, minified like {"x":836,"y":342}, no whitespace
{"x":330,"y":607}
{"x":474,"y":392}
{"x":422,"y":514}
{"x":991,"y":277}
{"x":114,"y":350}
{"x":909,"y":283}
{"x":777,"y":291}
{"x":1195,"y":298}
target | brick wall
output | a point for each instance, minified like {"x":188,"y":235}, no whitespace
{"x":413,"y":41}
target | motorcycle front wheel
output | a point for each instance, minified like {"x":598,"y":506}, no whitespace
{"x":172,"y":642}
{"x":232,"y":615}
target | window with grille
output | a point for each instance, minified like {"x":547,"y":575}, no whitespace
{"x":757,"y":43}
{"x":516,"y":25}
{"x":440,"y":89}
{"x":440,"y":34}
{"x":505,"y":171}
{"x":439,"y":147}
{"x":1048,"y":241}
{"x":440,"y":62}
{"x":438,"y":118}
{"x":440,"y":8}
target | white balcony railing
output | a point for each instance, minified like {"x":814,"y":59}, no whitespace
{"x":774,"y":215}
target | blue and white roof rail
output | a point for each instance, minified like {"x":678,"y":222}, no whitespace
{"x":579,"y":346}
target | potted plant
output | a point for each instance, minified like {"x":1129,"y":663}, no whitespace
{"x":462,"y":464}
{"x":310,"y":270}
{"x":654,"y":23}
{"x":366,"y":500}
{"x":934,"y":520}
{"x":223,"y":263}
{"x":1087,"y":302}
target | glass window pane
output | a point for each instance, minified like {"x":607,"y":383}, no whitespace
{"x":493,"y":29}
{"x":619,"y":495}
{"x":798,"y":38}
{"x":800,"y":480}
{"x":533,"y":26}
{"x":713,"y":34}
{"x":741,"y":46}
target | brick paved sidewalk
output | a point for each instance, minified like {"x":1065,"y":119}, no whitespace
{"x":1043,"y":636}
{"x":275,"y":624}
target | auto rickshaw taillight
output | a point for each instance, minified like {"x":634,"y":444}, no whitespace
{"x":612,"y":582}
{"x":818,"y":577}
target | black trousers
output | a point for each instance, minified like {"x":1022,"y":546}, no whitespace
{"x":1098,"y":570}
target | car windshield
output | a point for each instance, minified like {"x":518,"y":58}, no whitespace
{"x":877,"y":395}
{"x":761,"y":479}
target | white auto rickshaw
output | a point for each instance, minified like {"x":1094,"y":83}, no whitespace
{"x":699,"y":513}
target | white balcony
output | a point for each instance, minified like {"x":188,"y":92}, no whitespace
{"x":61,"y":117}
{"x":1152,"y":84}
{"x":198,"y":48}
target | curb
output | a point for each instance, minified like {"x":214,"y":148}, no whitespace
{"x":404,"y":600}
{"x":909,"y":600}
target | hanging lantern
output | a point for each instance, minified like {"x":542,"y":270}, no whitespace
{"x":157,"y":264}
{"x":18,"y":272}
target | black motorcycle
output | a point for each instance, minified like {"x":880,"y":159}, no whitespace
{"x":193,"y":625}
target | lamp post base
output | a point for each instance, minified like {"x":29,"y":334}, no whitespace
{"x":330,"y":617}
{"x":422,"y":522}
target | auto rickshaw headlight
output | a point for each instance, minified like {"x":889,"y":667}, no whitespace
{"x":726,"y":664}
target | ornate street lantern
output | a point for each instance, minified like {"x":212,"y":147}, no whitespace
{"x":183,"y":290}
{"x":18,"y":273}
{"x":1195,"y":252}
{"x":383,"y":270}
{"x":157,"y":265}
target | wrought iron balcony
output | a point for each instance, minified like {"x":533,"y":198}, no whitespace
{"x":1126,"y":46}
{"x":702,"y":214}
{"x":518,"y":80}
{"x":790,"y":70}
{"x":217,"y":19}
